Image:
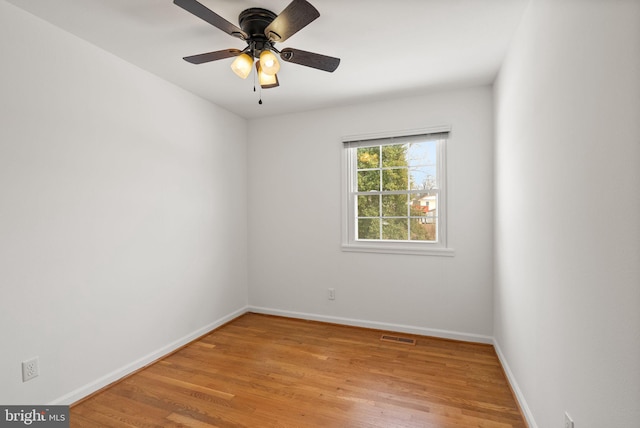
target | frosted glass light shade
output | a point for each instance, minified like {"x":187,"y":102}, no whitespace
{"x":269,"y":63}
{"x":242,"y":65}
{"x":266,"y":80}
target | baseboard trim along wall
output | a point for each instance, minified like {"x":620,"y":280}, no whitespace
{"x":400,"y":328}
{"x":118,"y":374}
{"x":524,"y":407}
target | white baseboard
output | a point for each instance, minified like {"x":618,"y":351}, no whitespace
{"x":514,"y":386}
{"x":400,"y":328}
{"x":118,"y":374}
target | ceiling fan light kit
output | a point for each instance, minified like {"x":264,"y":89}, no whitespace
{"x":261,"y":29}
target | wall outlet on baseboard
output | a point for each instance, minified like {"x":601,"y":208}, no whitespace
{"x":568,"y":422}
{"x":30,"y":369}
{"x":332,"y":294}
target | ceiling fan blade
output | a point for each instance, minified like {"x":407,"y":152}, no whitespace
{"x":211,"y":17}
{"x":212,"y":56}
{"x":310,"y":59}
{"x":292,"y":19}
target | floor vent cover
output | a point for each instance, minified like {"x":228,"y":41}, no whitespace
{"x":398,"y":339}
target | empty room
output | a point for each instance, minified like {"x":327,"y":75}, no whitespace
{"x":322,"y":213}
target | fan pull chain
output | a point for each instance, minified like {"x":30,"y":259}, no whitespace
{"x":254,"y":79}
{"x":255,"y":74}
{"x":259,"y":91}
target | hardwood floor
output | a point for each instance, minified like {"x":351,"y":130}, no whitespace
{"x":264,"y":371}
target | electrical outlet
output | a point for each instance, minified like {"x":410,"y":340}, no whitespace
{"x":30,"y":369}
{"x":332,"y":294}
{"x":568,"y":422}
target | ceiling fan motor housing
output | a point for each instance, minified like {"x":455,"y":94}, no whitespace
{"x":253,"y":21}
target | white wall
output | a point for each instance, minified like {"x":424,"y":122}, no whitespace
{"x":122,"y":213}
{"x":295,"y":220}
{"x":567,"y":295}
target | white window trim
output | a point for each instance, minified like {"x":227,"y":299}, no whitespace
{"x":349,"y":243}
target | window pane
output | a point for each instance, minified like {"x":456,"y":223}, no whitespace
{"x":395,"y":228}
{"x":369,"y":228}
{"x":368,"y":157}
{"x":395,"y":155}
{"x":424,"y":205}
{"x":369,"y":206}
{"x":423,"y":177}
{"x":395,"y":179}
{"x":425,"y":202}
{"x":422,"y":154}
{"x":394,"y":205}
{"x":368,"y":180}
{"x":422,"y":230}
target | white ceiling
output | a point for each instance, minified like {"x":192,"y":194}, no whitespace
{"x":388,"y":48}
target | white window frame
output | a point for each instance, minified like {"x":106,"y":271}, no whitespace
{"x":349,"y":199}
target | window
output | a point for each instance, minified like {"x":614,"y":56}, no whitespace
{"x":395,"y":193}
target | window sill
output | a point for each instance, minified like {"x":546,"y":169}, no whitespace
{"x":390,"y":248}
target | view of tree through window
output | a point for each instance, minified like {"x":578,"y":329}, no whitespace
{"x":397,"y":192}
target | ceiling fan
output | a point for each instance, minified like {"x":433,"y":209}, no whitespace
{"x":261,"y":29}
